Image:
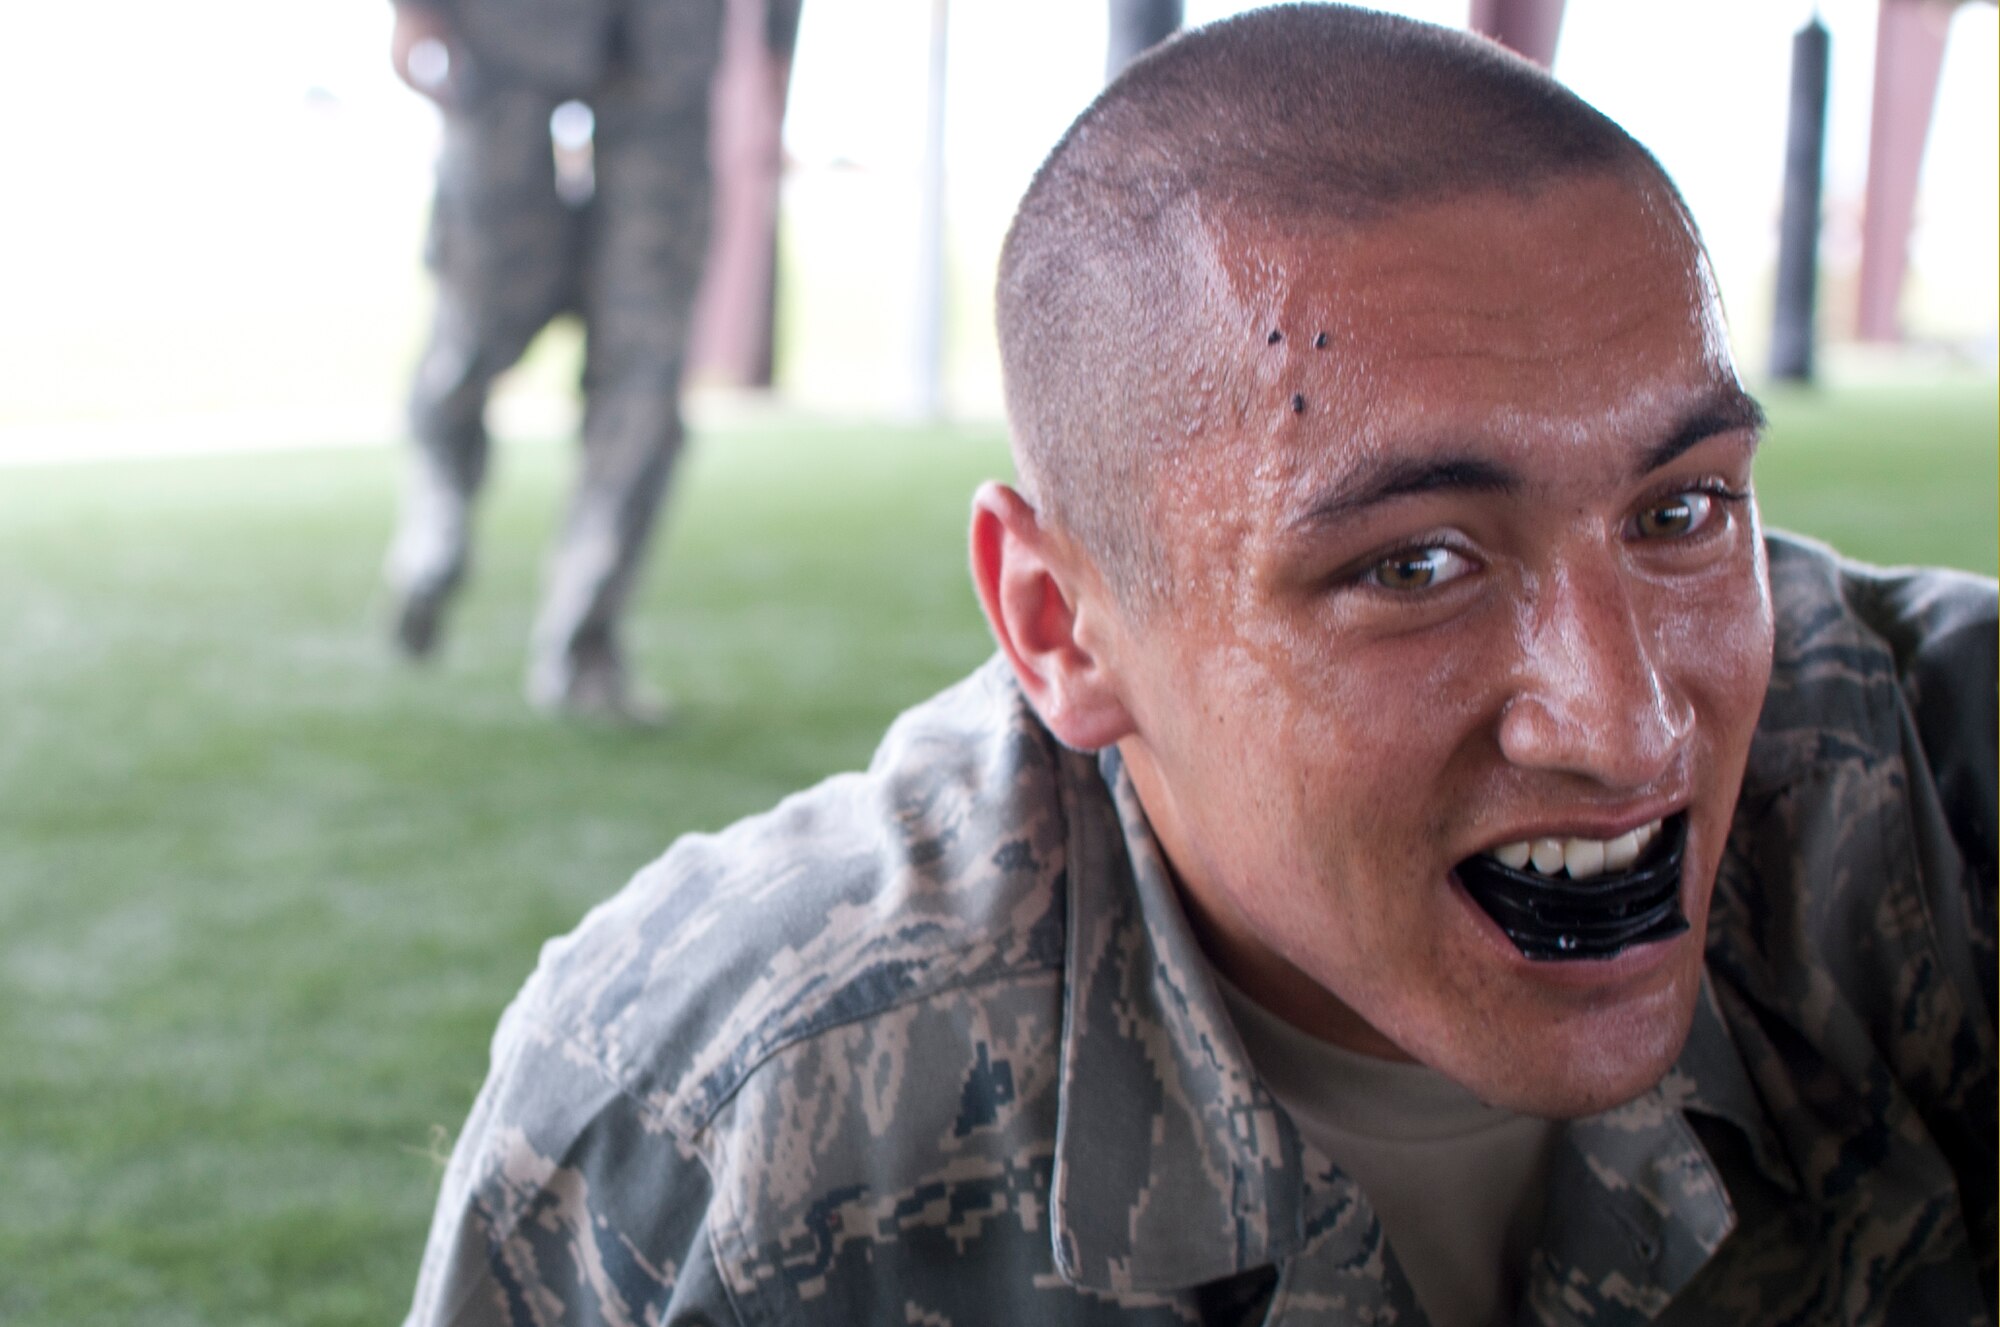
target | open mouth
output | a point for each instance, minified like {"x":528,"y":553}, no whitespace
{"x":1560,"y":899}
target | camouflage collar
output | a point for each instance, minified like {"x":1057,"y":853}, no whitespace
{"x":1173,"y":1166}
{"x":1711,"y":1079}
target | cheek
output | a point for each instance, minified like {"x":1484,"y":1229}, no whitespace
{"x":1396,"y":708}
{"x":1719,"y":639}
{"x":1393,"y":685}
{"x":1374,"y":744}
{"x":1212,"y":723}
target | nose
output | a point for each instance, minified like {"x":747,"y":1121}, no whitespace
{"x":1590,"y":696}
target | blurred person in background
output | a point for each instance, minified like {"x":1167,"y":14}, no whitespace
{"x":600,"y":208}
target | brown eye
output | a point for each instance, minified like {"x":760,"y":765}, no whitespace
{"x":1419,"y":569}
{"x":1680,"y":515}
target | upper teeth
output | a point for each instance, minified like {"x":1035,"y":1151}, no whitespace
{"x":1579,"y":857}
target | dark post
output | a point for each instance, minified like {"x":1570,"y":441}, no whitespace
{"x":1798,"y":225}
{"x":1137,"y":26}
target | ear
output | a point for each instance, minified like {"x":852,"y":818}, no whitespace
{"x":1047,"y":605}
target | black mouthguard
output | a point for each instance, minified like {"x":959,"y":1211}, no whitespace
{"x":1556,"y":918}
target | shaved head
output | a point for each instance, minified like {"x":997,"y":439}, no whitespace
{"x":1127,"y":327}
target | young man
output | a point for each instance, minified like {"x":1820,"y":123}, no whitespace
{"x":1421,"y":853}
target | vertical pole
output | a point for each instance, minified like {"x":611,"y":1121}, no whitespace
{"x":1136,"y":27}
{"x":735,"y":313}
{"x":1526,"y":27}
{"x":1909,"y":53}
{"x":1792,"y":330}
{"x":927,"y":343}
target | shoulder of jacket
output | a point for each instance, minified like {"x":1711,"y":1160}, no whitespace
{"x":1853,"y":643}
{"x":938,"y":867}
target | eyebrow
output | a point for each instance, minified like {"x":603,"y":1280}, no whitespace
{"x":1726,"y":410}
{"x":1403,"y":476}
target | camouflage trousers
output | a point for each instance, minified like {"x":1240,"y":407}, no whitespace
{"x":511,"y":253}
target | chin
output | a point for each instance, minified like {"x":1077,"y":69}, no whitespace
{"x":1561,"y":1040}
{"x":1584,"y":1065}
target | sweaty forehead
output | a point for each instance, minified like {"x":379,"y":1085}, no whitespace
{"x":1593,"y":229}
{"x":1591,"y":273}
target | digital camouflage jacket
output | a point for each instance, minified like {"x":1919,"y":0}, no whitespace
{"x":933,"y":1044}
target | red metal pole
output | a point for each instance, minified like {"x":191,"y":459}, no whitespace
{"x":1529,"y":27}
{"x":1909,"y":52}
{"x":733,"y":314}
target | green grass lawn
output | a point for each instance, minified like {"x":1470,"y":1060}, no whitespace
{"x":1904,"y":474}
{"x":263,"y":894}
